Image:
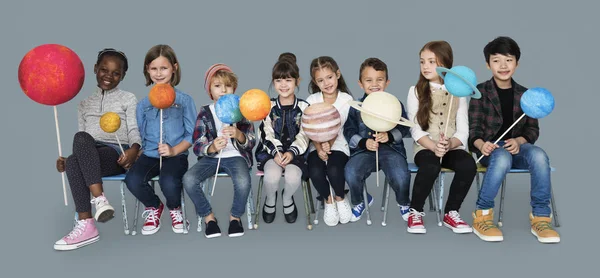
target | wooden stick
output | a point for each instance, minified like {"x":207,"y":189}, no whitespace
{"x":160,"y":140}
{"x":60,"y":154}
{"x":216,"y":174}
{"x":122,"y":151}
{"x":377,"y":161}
{"x":448,"y":119}
{"x":503,"y":134}
{"x":448,"y":116}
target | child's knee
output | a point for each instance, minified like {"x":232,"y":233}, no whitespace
{"x":82,"y":138}
{"x":538,"y":156}
{"x":501,"y":158}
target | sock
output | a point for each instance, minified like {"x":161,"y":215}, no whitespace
{"x":287,"y":201}
{"x":270,"y":201}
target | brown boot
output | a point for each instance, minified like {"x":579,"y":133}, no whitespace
{"x":484,"y":227}
{"x":542,"y":229}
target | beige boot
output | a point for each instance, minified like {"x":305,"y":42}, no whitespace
{"x":484,"y":227}
{"x":542,"y":229}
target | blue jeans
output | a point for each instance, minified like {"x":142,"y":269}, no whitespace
{"x":236,"y":167}
{"x":394,"y":166}
{"x":146,"y":168}
{"x":499,"y":164}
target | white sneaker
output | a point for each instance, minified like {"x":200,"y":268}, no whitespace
{"x":330,"y":215}
{"x":344,"y":210}
{"x":104,"y":211}
{"x":177,"y":221}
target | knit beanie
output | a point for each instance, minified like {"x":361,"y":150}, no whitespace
{"x":210,"y":73}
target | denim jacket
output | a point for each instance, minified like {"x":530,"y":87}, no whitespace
{"x":270,"y":132}
{"x":205,"y":133}
{"x":355,"y":130}
{"x":178,"y":123}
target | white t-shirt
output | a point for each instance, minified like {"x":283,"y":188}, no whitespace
{"x":229,"y":150}
{"x":341,"y":104}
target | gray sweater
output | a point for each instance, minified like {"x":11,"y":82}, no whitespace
{"x":121,"y":102}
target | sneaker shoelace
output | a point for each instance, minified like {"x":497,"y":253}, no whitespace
{"x":176,"y":216}
{"x":150,"y":215}
{"x":542,"y":226}
{"x":455,"y":217}
{"x":77,"y":230}
{"x":358,"y":208}
{"x":486,"y":225}
{"x":98,"y":200}
{"x":416,"y":216}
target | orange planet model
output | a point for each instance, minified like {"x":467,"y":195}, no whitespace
{"x":255,"y":105}
{"x":162,"y":96}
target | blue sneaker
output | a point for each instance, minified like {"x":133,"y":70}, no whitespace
{"x":404,"y":211}
{"x":358,"y":210}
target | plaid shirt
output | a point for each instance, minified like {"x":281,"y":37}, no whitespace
{"x":205,"y":133}
{"x":485,"y":116}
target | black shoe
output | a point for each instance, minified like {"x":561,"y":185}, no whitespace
{"x":211,"y":229}
{"x":269,"y":217}
{"x":235,"y":228}
{"x":290,"y":217}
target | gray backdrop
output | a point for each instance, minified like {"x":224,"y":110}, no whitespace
{"x":557,"y":40}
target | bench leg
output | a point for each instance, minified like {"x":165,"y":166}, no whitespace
{"x":306,"y":204}
{"x":250,"y":209}
{"x":501,"y":212}
{"x":440,"y":199}
{"x":320,"y":205}
{"x":186,"y":223}
{"x":124,"y":209}
{"x":310,"y":196}
{"x":385,"y":189}
{"x":554,"y":211}
{"x":258,"y":197}
{"x":386,"y":200}
{"x":366,"y":203}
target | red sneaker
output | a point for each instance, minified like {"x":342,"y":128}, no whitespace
{"x":177,"y":221}
{"x":453,"y":221}
{"x":415,"y":222}
{"x":152,"y":220}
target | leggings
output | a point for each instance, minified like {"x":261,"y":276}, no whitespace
{"x":322,"y":174}
{"x":87,"y":165}
{"x":464,"y":167}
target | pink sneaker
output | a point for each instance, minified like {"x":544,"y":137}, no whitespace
{"x":177,"y":221}
{"x":453,"y":221}
{"x":152,"y":220}
{"x":84,"y":233}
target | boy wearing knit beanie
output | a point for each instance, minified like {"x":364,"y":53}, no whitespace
{"x":232,"y":144}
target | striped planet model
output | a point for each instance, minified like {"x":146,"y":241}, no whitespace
{"x":321,"y":122}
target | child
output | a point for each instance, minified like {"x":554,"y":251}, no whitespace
{"x":373,"y":77}
{"x":211,"y":137}
{"x":282,"y":142}
{"x":428,"y":104}
{"x":161,"y":67}
{"x":489,"y":118}
{"x":96,"y":153}
{"x":326,"y":160}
